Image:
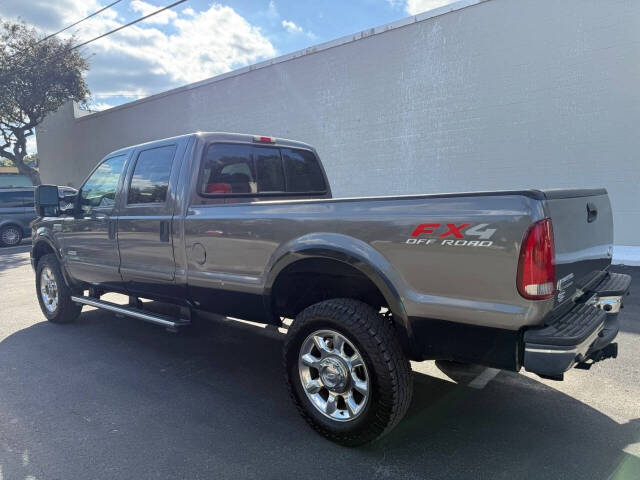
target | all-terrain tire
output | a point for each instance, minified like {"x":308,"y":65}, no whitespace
{"x":65,"y":311}
{"x":389,"y":370}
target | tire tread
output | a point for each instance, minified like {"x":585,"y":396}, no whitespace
{"x":376,"y":334}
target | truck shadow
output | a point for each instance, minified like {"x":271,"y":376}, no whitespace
{"x":115,"y":398}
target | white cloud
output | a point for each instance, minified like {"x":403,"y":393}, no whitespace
{"x":145,"y":59}
{"x":145,"y":8}
{"x":291,"y":27}
{"x":414,"y":7}
{"x":99,"y":106}
{"x":48,"y":15}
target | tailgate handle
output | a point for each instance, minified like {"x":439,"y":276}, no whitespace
{"x":592,"y":212}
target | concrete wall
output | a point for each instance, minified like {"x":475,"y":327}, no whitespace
{"x":499,"y":94}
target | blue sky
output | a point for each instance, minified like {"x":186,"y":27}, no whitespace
{"x":199,"y":38}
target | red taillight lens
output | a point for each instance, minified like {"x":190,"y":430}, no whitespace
{"x":536,"y":267}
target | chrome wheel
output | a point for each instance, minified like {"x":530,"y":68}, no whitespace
{"x":48,"y":289}
{"x":333,"y":375}
{"x":11,"y":236}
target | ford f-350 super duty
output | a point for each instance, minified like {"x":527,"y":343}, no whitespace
{"x":245,"y":226}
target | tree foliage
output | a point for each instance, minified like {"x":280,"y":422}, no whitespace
{"x":36,"y":78}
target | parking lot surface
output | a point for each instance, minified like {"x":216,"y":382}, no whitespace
{"x":112,"y":398}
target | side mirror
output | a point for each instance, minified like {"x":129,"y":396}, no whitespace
{"x":47,"y":200}
{"x":68,"y":199}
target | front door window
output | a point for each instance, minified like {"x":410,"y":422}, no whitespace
{"x":99,"y":191}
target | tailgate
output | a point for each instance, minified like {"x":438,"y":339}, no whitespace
{"x":583,"y":237}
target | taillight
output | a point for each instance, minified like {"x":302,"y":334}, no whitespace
{"x":536,"y":267}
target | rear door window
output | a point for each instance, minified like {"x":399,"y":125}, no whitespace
{"x":16,"y":199}
{"x":26,"y":198}
{"x":150,"y":180}
{"x":302,"y":171}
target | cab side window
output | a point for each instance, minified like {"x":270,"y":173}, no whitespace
{"x":99,"y":191}
{"x":150,"y":180}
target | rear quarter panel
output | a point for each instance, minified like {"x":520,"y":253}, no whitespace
{"x":460,"y":282}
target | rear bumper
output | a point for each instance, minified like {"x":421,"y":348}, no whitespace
{"x":582,"y":336}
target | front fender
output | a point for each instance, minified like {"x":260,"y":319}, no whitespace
{"x":351,"y":251}
{"x":43,"y":236}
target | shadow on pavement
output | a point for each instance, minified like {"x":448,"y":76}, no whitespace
{"x":12,"y":257}
{"x":630,"y":315}
{"x":116,"y":398}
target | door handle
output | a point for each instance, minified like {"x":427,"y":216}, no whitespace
{"x":592,"y":212}
{"x":112,"y":229}
{"x":164,"y":231}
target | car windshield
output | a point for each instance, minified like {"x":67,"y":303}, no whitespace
{"x":14,"y":181}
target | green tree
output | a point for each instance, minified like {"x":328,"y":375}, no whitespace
{"x":37,"y":76}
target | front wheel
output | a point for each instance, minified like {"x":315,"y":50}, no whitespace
{"x":54,"y":295}
{"x":346,"y":371}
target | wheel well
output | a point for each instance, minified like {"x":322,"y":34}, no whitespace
{"x":313,"y":280}
{"x":41,"y":248}
{"x":310,"y":281}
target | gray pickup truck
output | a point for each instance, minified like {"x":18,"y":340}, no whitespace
{"x":245,"y":226}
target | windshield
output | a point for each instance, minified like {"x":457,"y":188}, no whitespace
{"x":13,"y":181}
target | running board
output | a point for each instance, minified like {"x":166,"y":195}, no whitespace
{"x":170,"y":323}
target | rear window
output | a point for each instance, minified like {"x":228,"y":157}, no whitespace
{"x":247,"y":169}
{"x":150,"y":180}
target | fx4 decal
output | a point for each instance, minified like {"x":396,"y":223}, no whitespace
{"x":451,"y":234}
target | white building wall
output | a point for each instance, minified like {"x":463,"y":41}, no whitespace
{"x":499,"y":94}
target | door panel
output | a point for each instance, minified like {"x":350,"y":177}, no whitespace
{"x":145,"y":224}
{"x":90,"y":250}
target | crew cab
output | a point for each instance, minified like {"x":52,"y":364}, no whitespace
{"x":245,"y":226}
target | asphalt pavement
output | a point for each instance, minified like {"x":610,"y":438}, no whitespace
{"x":115,"y":398}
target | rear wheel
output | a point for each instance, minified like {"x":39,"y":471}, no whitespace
{"x":10,"y":236}
{"x":54,"y":295}
{"x":346,"y":371}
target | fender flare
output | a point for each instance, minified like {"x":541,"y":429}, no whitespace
{"x":43,"y":237}
{"x":350,"y":251}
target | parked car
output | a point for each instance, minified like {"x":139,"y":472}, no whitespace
{"x":16,"y":212}
{"x":245,"y":226}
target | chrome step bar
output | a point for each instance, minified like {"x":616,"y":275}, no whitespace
{"x":171,"y":323}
